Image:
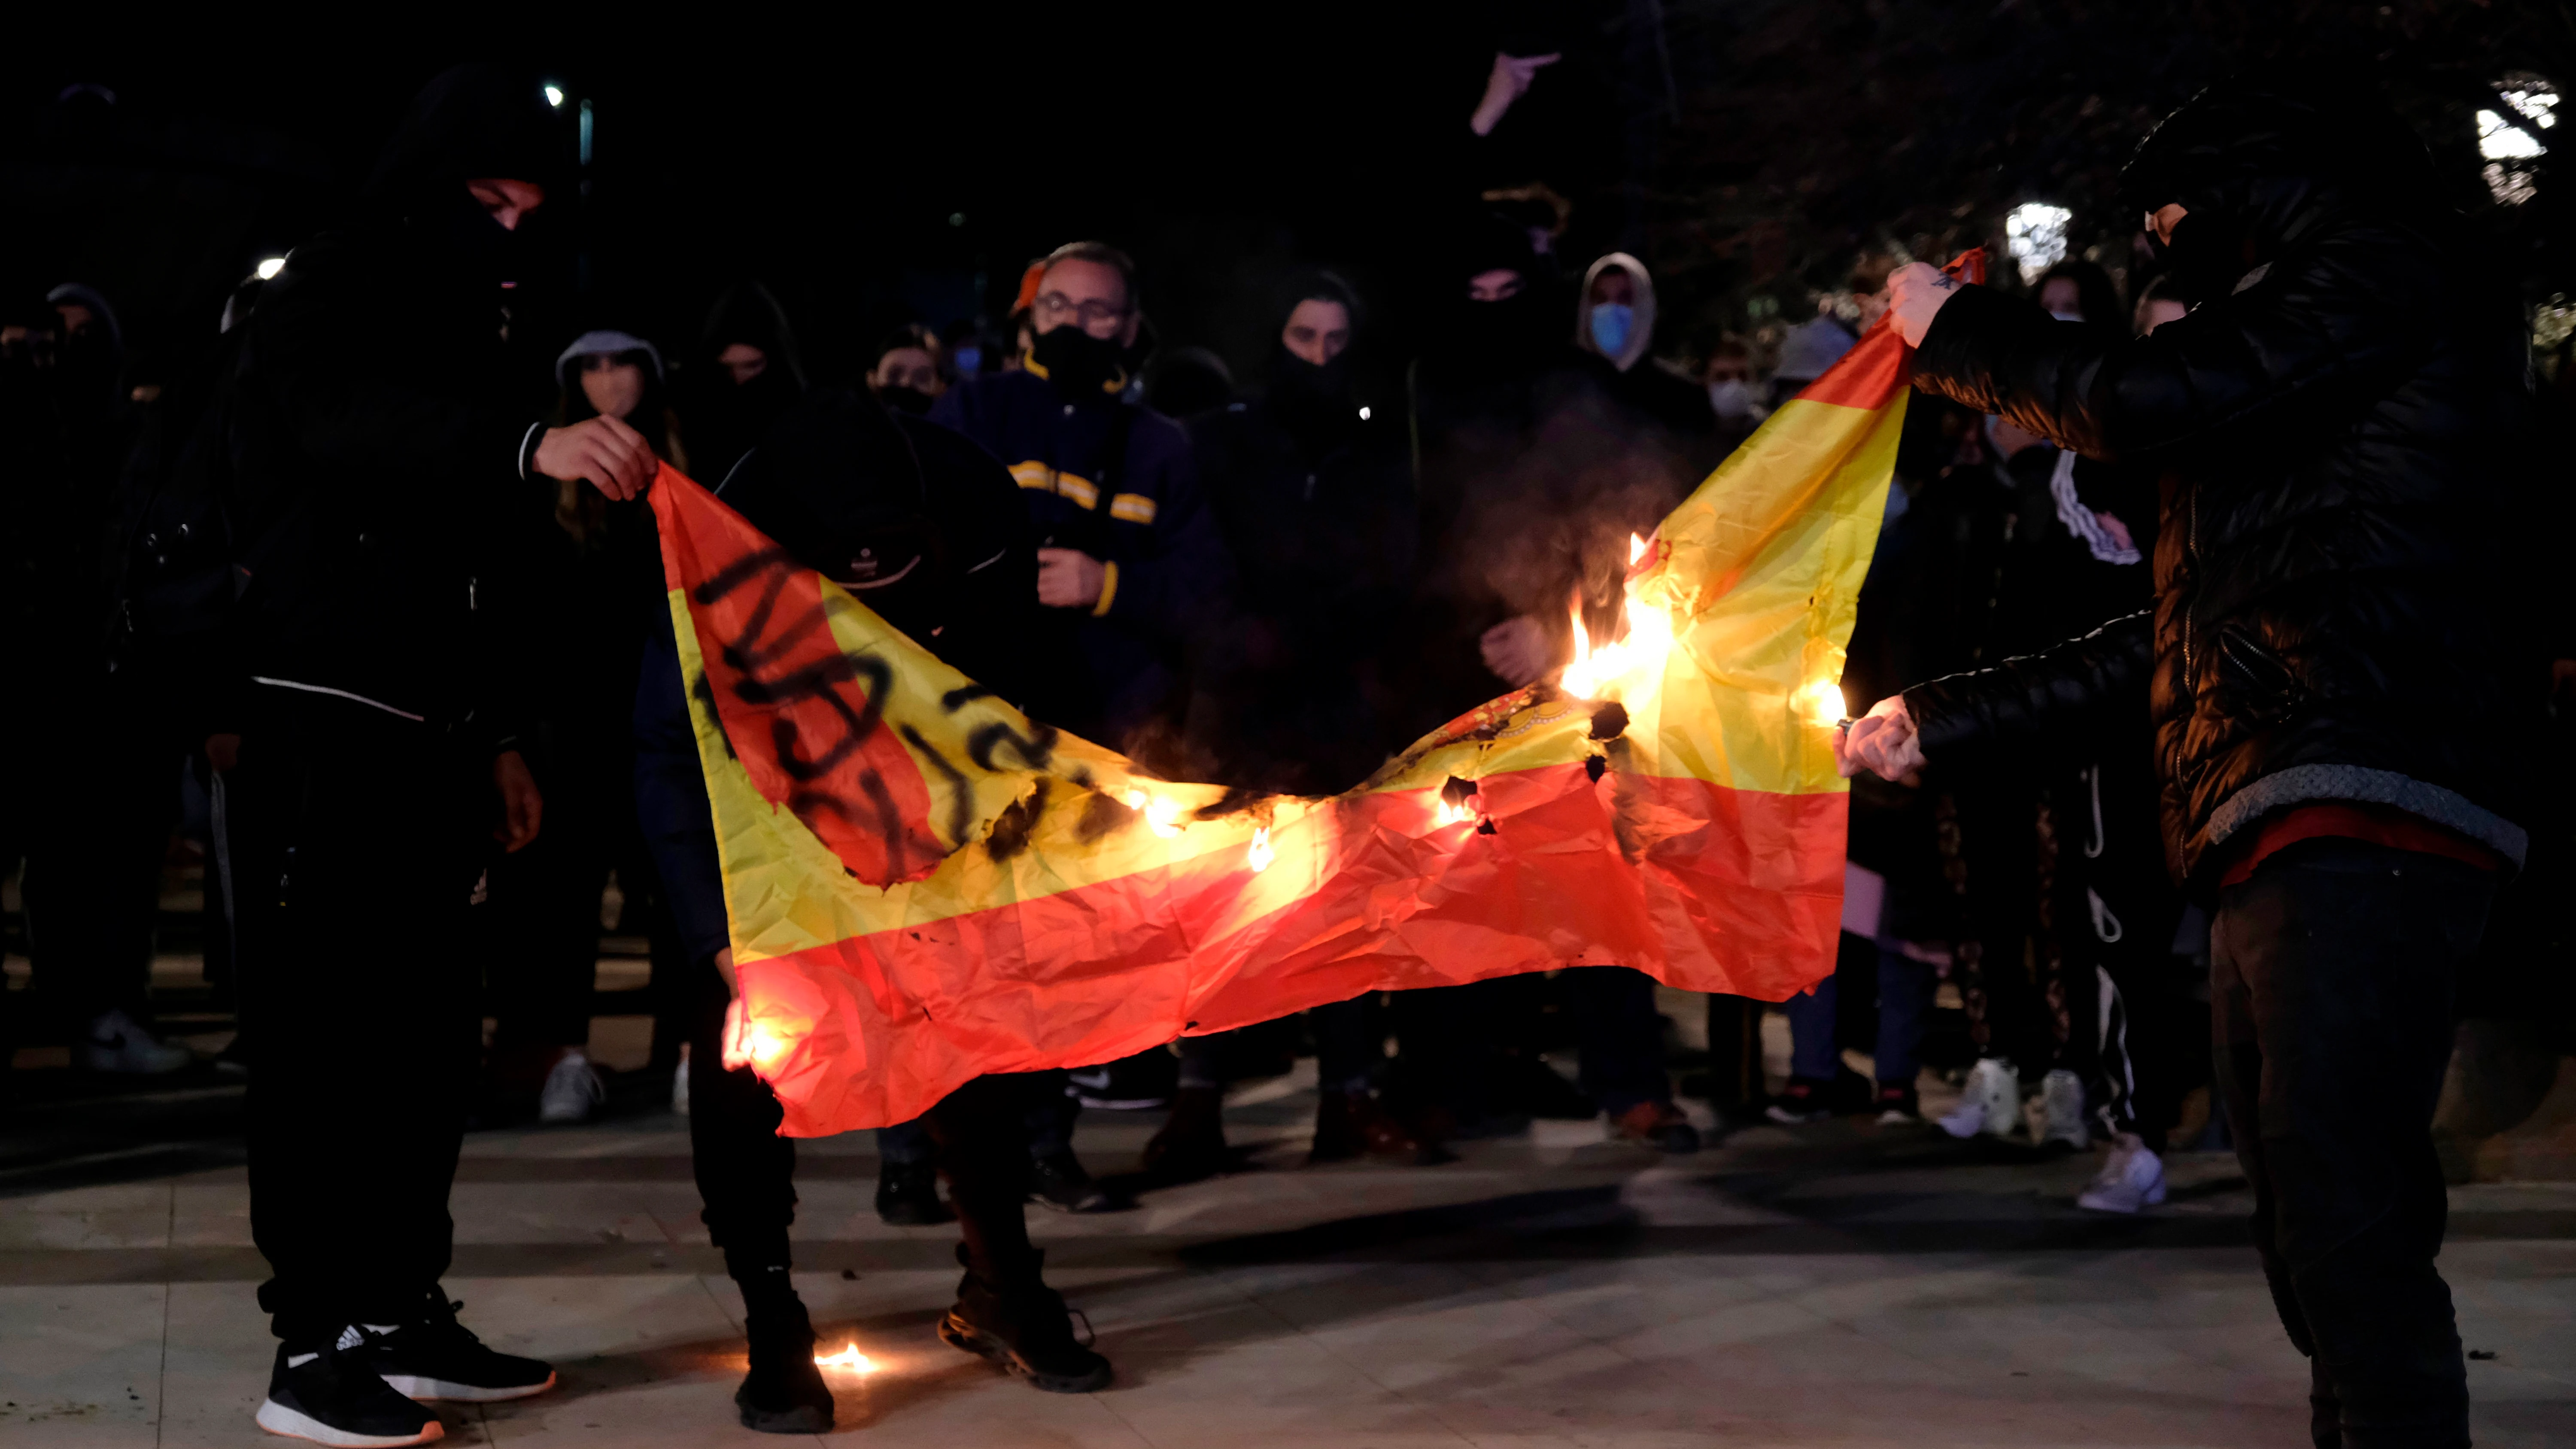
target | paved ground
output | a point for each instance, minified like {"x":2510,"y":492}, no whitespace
{"x":1834,"y":1285}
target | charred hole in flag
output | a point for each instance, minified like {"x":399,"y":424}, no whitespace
{"x":1012,"y":828}
{"x":1100,"y":816}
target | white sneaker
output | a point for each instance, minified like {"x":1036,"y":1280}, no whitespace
{"x":2134,"y":1178}
{"x":680,"y":1083}
{"x":572,"y":1092}
{"x":2061,"y":1115}
{"x":1990,"y":1104}
{"x":116,"y":1042}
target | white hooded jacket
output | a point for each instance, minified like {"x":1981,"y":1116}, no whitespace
{"x":1642,"y":334}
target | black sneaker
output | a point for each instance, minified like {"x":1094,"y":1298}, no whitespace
{"x":1898,"y":1106}
{"x":1023,"y":1326}
{"x":784,"y":1392}
{"x":436,"y":1357}
{"x":1058,"y":1181}
{"x":330,"y":1396}
{"x":1138,"y":1083}
{"x":1803,"y":1100}
{"x":908,"y":1195}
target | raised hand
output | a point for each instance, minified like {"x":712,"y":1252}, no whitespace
{"x":1507,"y":82}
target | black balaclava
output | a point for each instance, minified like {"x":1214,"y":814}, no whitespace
{"x":472,"y":122}
{"x":88,"y":366}
{"x":2259,"y":163}
{"x":1314,"y":401}
{"x":726,"y":418}
{"x":1498,"y":337}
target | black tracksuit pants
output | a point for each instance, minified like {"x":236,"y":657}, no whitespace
{"x":356,"y":838}
{"x":2331,"y":978}
{"x":746,"y":1172}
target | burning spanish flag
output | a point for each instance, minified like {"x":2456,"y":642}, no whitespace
{"x":924,"y":885}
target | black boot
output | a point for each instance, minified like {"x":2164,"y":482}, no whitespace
{"x":1060,"y":1182}
{"x":1022,"y":1325}
{"x":784,"y":1393}
{"x":908,"y":1195}
{"x":1191,"y":1146}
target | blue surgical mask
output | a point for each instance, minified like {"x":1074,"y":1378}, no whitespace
{"x":1731,"y":400}
{"x":1611,"y":324}
{"x":970,"y":360}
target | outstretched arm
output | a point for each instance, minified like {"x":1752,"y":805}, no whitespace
{"x":2016,"y":702}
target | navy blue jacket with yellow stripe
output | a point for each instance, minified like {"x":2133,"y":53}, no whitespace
{"x":1116,"y":481}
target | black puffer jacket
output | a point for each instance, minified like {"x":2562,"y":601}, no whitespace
{"x":2339,"y":444}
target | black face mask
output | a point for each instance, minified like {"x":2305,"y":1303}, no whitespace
{"x":86,"y":360}
{"x":1315,"y":402}
{"x":1295,"y":376}
{"x":482,"y":248}
{"x":905,"y":400}
{"x":2207,"y":253}
{"x":1501,"y":336}
{"x":1078,"y":364}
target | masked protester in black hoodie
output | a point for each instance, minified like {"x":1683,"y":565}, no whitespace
{"x":1532,"y":472}
{"x":927,"y":530}
{"x":1314,"y":495}
{"x":371,"y":462}
{"x":2335,"y":668}
{"x":743,"y":378}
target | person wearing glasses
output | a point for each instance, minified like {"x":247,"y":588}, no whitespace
{"x":1129,"y":557}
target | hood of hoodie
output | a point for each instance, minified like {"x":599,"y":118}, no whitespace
{"x":605,"y":342}
{"x":1641,"y":330}
{"x":747,"y":313}
{"x":475,"y":120}
{"x":471,"y":122}
{"x":90,"y":371}
{"x":2266,"y":162}
{"x":78,"y":294}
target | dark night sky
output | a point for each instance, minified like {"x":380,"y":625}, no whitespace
{"x":1740,"y":144}
{"x":1219,"y":144}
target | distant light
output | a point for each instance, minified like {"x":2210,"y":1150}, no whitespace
{"x":956,"y":218}
{"x":2502,"y":140}
{"x":269,"y":267}
{"x":2535,"y":103}
{"x":555,"y":97}
{"x":2035,"y":235}
{"x":1364,"y":415}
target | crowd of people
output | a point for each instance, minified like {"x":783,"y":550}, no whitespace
{"x":400,"y":631}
